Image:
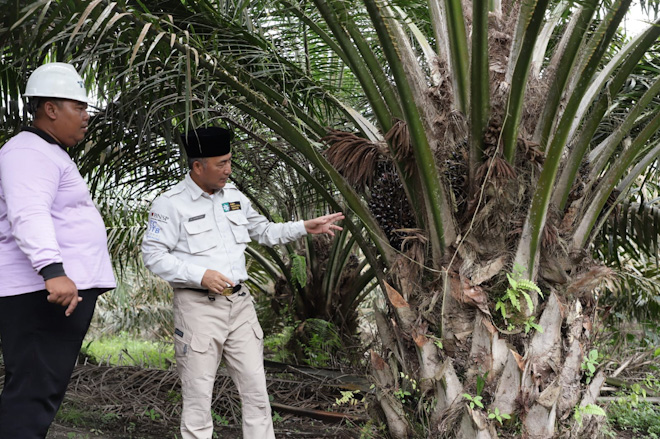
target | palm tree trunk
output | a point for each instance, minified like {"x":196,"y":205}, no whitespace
{"x":534,"y":377}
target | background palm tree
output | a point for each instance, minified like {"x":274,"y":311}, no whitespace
{"x":474,"y":146}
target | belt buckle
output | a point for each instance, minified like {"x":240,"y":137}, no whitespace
{"x":227,"y":291}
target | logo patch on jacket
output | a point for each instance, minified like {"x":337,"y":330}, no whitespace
{"x":159,"y":217}
{"x":231,"y":206}
{"x":153,"y":231}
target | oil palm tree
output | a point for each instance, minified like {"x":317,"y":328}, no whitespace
{"x":471,"y":143}
{"x":137,"y":156}
{"x":316,"y":278}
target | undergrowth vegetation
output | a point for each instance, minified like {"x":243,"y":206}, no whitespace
{"x":641,"y":419}
{"x":126,"y":350}
{"x":315,"y":343}
{"x":141,"y":305}
{"x":101,"y":422}
{"x":133,"y":324}
{"x":628,"y":351}
{"x":133,"y":327}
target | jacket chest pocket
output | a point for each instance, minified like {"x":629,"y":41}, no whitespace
{"x":199,"y":235}
{"x":239,"y":226}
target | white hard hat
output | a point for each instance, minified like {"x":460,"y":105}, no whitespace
{"x":56,"y":80}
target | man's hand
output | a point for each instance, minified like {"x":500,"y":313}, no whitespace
{"x":62,"y":291}
{"x":215,"y":281}
{"x":324,"y":224}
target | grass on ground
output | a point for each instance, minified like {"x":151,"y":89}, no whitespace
{"x":125,"y":350}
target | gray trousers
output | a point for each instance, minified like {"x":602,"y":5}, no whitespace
{"x":205,"y":331}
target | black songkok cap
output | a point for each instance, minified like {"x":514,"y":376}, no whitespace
{"x":207,"y":142}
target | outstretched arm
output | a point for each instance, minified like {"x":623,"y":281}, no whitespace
{"x":324,"y":224}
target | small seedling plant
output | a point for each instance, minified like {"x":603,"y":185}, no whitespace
{"x":589,"y":364}
{"x":476,"y":401}
{"x":347,"y":397}
{"x":589,"y":409}
{"x":219,"y":419}
{"x":498,"y":416}
{"x":518,"y":292}
{"x":410,"y":387}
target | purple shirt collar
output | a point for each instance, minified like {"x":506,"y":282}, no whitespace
{"x":44,"y":135}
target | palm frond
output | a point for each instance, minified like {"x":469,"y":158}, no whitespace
{"x":634,"y":293}
{"x":354,"y":157}
{"x":633,"y":229}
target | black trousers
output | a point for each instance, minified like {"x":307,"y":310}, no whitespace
{"x":40,"y":346}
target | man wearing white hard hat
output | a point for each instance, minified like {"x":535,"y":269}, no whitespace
{"x":54,"y":260}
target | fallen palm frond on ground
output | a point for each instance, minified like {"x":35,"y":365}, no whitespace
{"x":298,"y":395}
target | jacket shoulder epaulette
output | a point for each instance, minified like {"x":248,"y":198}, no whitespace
{"x":176,"y":189}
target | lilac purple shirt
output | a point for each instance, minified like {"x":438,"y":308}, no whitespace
{"x":47,"y":217}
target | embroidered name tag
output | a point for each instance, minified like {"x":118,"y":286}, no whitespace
{"x":198,"y":217}
{"x":158,"y":217}
{"x":231,"y":206}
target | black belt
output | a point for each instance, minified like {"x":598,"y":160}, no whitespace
{"x":226,"y":292}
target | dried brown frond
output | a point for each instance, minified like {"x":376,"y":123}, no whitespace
{"x":531,"y":152}
{"x":568,"y":220}
{"x":353,"y":156}
{"x":442,"y":94}
{"x":399,"y":138}
{"x":500,"y":170}
{"x":535,"y":99}
{"x":127,"y":390}
{"x":517,"y":226}
{"x":449,"y":124}
{"x":471,"y":295}
{"x":550,"y":236}
{"x":450,"y":420}
{"x":408,"y":267}
{"x":492,"y":138}
{"x":589,"y":281}
{"x":413,"y":243}
{"x":499,"y":49}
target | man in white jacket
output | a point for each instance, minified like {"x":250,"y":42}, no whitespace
{"x":196,"y":239}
